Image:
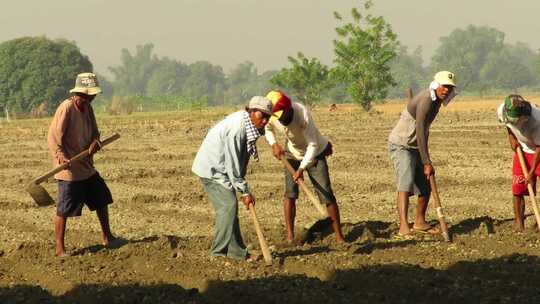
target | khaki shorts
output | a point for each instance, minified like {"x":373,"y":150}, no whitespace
{"x":409,"y":170}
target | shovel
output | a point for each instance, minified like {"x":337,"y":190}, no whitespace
{"x":532,"y":197}
{"x":39,"y":194}
{"x":323,"y":220}
{"x":437,"y":203}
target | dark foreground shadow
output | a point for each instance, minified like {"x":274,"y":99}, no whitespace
{"x":484,"y":223}
{"x":507,"y":279}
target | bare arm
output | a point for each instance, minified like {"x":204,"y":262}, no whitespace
{"x":422,"y":130}
{"x":514,"y":144}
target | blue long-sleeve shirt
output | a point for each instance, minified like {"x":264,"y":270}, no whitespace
{"x":223,"y":155}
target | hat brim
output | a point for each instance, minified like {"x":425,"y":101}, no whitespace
{"x":447,"y":82}
{"x":87,"y":91}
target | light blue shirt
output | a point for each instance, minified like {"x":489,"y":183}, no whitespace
{"x":223,"y":155}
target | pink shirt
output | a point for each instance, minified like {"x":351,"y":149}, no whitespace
{"x":71,"y":132}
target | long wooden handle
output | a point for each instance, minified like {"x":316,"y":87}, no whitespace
{"x":84,"y":153}
{"x":529,"y":186}
{"x":262,"y":241}
{"x":438,"y":207}
{"x":304,"y":188}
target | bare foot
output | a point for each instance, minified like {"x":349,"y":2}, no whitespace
{"x":340,"y":240}
{"x":114,"y":242}
{"x":404,"y":230}
{"x":62,"y":254}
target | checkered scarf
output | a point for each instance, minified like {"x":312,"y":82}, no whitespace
{"x":252,"y":135}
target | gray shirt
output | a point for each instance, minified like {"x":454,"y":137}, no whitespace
{"x":223,"y":155}
{"x":412,"y":129}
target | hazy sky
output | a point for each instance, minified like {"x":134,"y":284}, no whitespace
{"x":228,"y":32}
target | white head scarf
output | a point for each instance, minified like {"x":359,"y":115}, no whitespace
{"x":434,"y":85}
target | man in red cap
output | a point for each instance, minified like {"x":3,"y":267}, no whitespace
{"x":306,"y":150}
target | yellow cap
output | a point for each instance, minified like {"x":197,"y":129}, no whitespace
{"x":280,"y":102}
{"x":445,"y":78}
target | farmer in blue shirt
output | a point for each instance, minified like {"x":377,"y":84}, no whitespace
{"x":221,"y":163}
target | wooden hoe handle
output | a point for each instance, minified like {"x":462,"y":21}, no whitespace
{"x":84,"y":153}
{"x":308,"y":193}
{"x":438,"y":207}
{"x":529,"y":186}
{"x":262,"y":241}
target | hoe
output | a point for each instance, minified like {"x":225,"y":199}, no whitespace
{"x":39,"y":194}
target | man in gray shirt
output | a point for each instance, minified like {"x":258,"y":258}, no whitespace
{"x":221,"y":164}
{"x":408,"y":147}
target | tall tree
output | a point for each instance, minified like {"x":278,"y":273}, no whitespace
{"x":363,"y":54}
{"x":242,"y":83}
{"x":465,"y":52}
{"x":305,"y":79}
{"x":132,"y":76}
{"x":38,"y":69}
{"x":167,"y":78}
{"x":505,"y":70}
{"x":205,"y":83}
{"x":408,"y":72}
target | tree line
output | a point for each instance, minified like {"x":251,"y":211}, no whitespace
{"x":370,"y":65}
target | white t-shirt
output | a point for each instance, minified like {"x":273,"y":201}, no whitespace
{"x":527,"y":135}
{"x":304,"y":140}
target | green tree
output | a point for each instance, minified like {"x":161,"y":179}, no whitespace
{"x":132,"y":76}
{"x":167,"y":78}
{"x":38,"y":69}
{"x":506,"y":70}
{"x":363,"y":54}
{"x":205,"y":83}
{"x":305,"y":79}
{"x":408,"y":72}
{"x":465,"y":52}
{"x":242,"y":83}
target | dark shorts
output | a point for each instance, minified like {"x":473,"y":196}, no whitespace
{"x":409,"y":171}
{"x":73,"y":195}
{"x":319,"y":176}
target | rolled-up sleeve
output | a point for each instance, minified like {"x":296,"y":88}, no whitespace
{"x":312,"y":145}
{"x":59,"y":129}
{"x":422,"y":130}
{"x":235,"y":161}
{"x":269,"y":134}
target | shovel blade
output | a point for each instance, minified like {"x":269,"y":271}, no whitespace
{"x":40,"y":195}
{"x":319,"y":226}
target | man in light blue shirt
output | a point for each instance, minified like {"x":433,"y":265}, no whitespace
{"x":221,"y":163}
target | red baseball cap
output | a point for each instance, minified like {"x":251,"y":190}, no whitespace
{"x":280,"y":102}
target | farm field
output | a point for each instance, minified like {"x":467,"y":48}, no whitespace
{"x":167,"y":221}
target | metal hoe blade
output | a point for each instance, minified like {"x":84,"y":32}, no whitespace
{"x":40,"y":195}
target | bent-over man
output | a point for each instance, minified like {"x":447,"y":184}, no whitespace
{"x":522,"y":121}
{"x":306,"y":150}
{"x":221,"y":164}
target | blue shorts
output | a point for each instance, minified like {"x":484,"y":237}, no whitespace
{"x":73,"y":195}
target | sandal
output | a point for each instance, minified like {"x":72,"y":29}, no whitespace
{"x":427,"y":230}
{"x":403,"y":237}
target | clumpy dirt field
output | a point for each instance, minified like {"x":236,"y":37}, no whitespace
{"x":166,"y":221}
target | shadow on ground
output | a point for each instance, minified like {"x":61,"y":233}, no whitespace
{"x":507,"y":279}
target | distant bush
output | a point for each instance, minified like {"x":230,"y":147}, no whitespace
{"x":121,"y":105}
